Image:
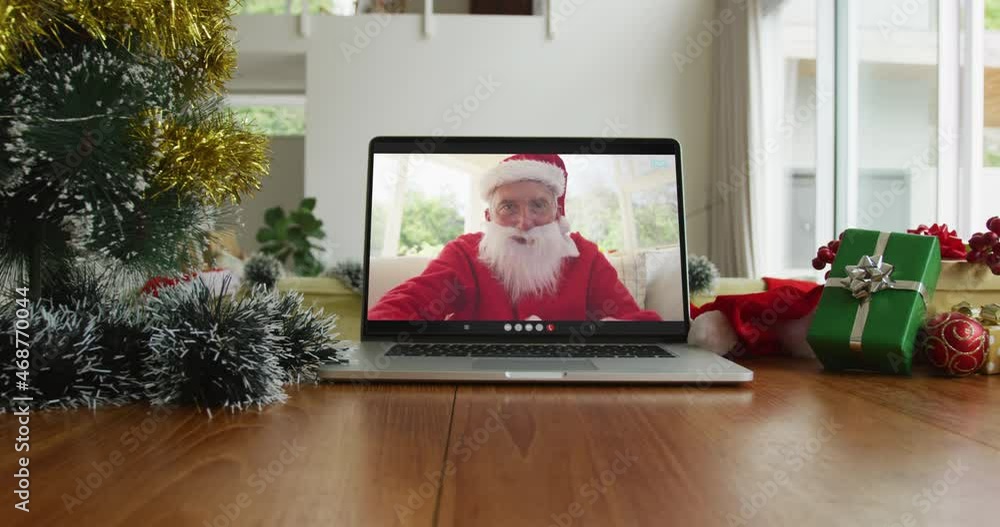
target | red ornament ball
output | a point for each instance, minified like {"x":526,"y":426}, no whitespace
{"x":955,"y":343}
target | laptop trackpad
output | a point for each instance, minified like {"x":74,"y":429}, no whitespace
{"x":534,"y":364}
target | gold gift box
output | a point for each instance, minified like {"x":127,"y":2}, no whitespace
{"x":964,"y":282}
{"x":992,"y":364}
{"x":989,"y":316}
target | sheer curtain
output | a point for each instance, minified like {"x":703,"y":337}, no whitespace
{"x":744,"y":161}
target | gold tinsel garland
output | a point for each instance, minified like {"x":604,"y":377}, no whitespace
{"x":212,"y":161}
{"x":194,"y":34}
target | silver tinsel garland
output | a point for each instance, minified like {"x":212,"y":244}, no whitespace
{"x":308,"y":338}
{"x":71,"y":363}
{"x":262,"y":269}
{"x":210,"y":349}
{"x":191,"y":345}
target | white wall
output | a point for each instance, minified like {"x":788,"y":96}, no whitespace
{"x":271,"y":55}
{"x":281,"y":188}
{"x":610,"y":62}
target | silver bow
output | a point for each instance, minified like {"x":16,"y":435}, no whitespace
{"x":870,"y":276}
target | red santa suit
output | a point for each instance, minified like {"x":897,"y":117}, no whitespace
{"x":458,"y":286}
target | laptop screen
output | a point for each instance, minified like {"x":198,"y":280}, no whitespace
{"x":525,"y":243}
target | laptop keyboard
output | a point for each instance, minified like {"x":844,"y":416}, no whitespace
{"x":601,"y":351}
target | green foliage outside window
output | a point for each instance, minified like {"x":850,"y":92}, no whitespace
{"x":992,"y":15}
{"x":428,"y":224}
{"x":655,"y":219}
{"x":275,"y":120}
{"x":991,"y":152}
{"x":991,"y":158}
{"x":601,"y":222}
{"x":597,"y":215}
{"x":274,"y":7}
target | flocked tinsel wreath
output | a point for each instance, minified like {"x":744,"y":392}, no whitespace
{"x":65,"y":367}
{"x":307,"y":333}
{"x":191,"y":345}
{"x":349,"y":273}
{"x":209,"y":348}
{"x":262,"y":269}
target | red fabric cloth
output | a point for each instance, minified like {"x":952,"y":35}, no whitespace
{"x":756,"y":316}
{"x":458,"y":286}
{"x":154,"y":284}
{"x":802,"y":286}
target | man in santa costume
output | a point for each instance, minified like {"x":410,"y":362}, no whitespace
{"x":525,"y":266}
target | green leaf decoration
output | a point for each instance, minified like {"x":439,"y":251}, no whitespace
{"x":273,"y":215}
{"x":289,"y":236}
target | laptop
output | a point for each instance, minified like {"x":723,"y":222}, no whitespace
{"x":498,"y":259}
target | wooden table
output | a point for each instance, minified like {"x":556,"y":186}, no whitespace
{"x":797,"y":447}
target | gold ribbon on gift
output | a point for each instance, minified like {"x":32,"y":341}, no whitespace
{"x":872,"y":275}
{"x":988,"y":315}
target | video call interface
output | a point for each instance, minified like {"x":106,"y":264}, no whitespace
{"x":528,"y":241}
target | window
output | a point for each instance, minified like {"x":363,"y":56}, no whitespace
{"x":272,"y":115}
{"x":626,"y":205}
{"x":420,"y":203}
{"x":906,"y":101}
{"x":991,"y":85}
{"x":282,"y":7}
{"x":787,"y":210}
{"x":986,"y":206}
{"x":655,"y":218}
{"x":894,"y":185}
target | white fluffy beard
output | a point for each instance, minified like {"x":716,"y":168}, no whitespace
{"x":530,"y":268}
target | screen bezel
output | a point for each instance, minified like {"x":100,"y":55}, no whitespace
{"x":567,"y":331}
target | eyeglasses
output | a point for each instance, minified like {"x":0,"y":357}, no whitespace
{"x":536,"y":208}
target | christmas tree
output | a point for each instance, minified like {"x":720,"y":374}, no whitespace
{"x":116,"y":146}
{"x":118,"y":159}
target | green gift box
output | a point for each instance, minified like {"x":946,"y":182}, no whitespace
{"x":875,"y":301}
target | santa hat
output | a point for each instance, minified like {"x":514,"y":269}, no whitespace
{"x":547,"y":169}
{"x":770,"y":322}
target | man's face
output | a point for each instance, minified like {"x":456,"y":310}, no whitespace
{"x":522,"y":242}
{"x":523,"y":205}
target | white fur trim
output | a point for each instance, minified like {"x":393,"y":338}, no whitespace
{"x":523,"y":170}
{"x":563,"y":225}
{"x":572,"y":250}
{"x":711,"y":331}
{"x":792,"y":335}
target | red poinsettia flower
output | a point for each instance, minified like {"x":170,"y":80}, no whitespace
{"x":952,"y":247}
